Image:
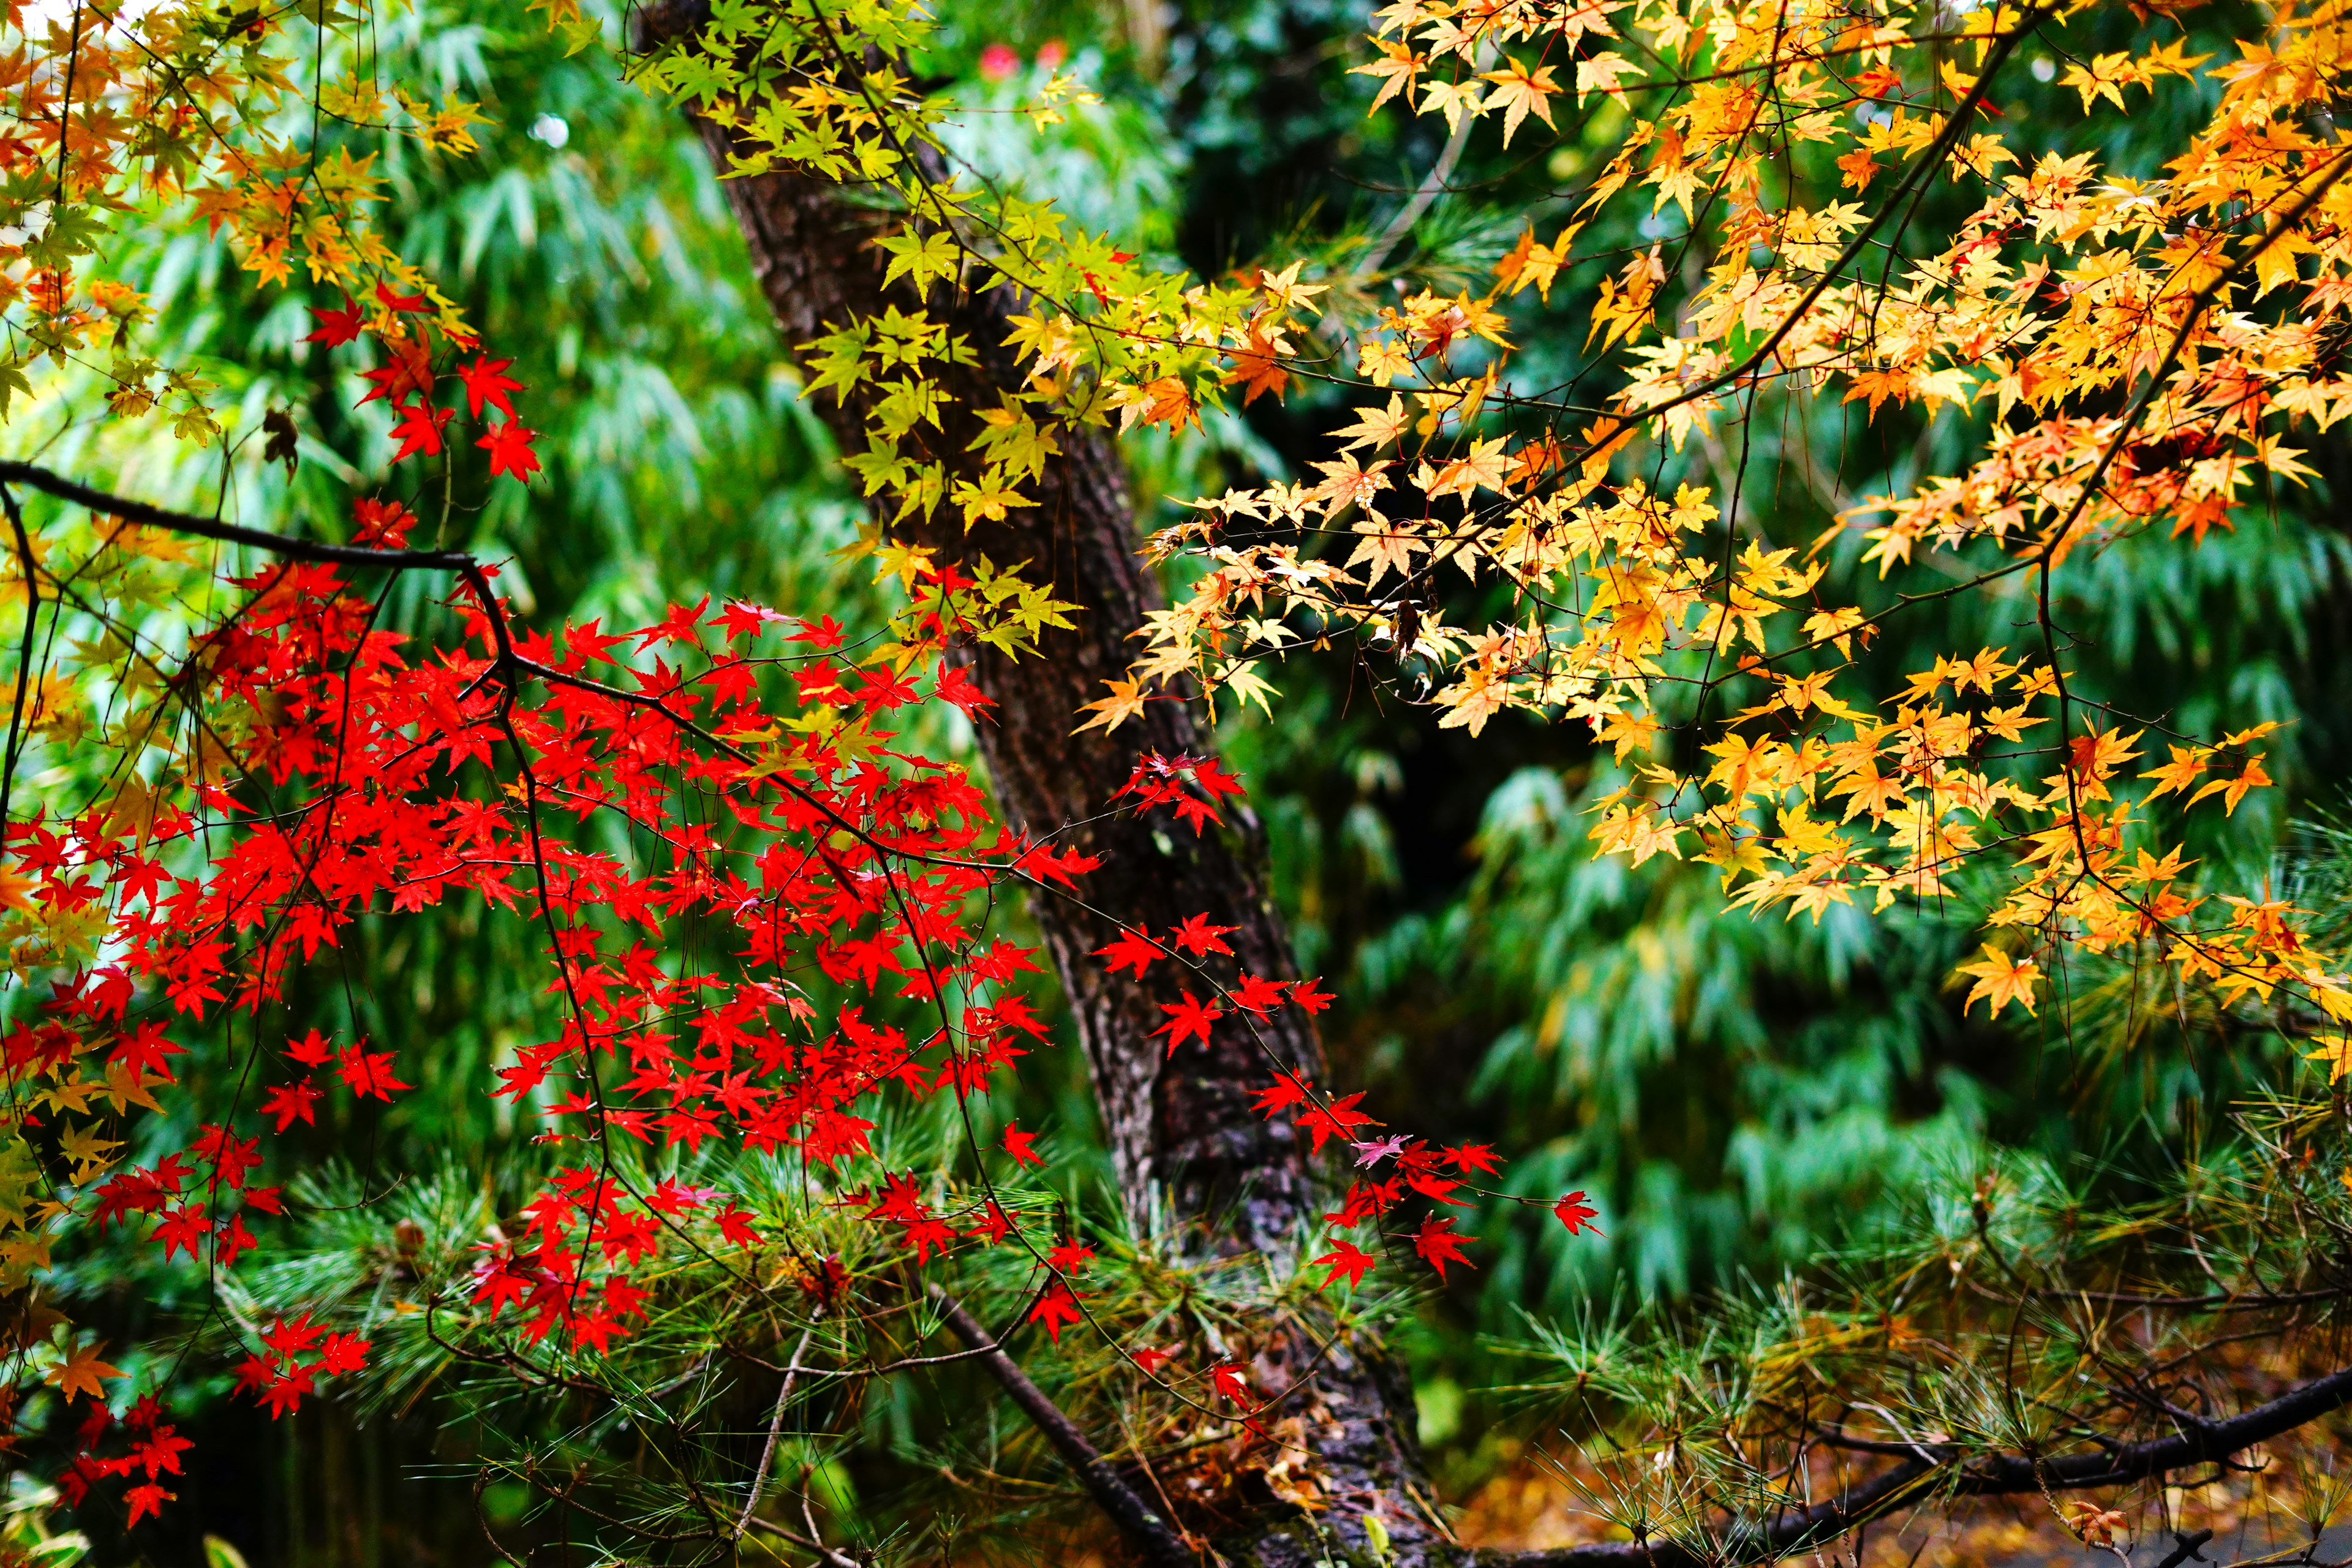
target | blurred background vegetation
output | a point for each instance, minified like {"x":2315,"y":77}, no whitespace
{"x":1732,"y":1092}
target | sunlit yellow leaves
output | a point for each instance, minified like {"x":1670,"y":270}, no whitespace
{"x":2000,"y":979}
{"x":1397,"y":69}
{"x":2105,"y":77}
{"x":2335,"y":1049}
{"x":1165,"y":401}
{"x":1529,"y":262}
{"x":1624,"y":305}
{"x":1376,"y":427}
{"x":1519,"y":92}
{"x":1637,"y":829}
{"x":1600,"y":72}
{"x":2059,"y":299}
{"x":1125,"y":701}
{"x":17,"y":890}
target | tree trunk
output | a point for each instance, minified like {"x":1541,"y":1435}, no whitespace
{"x":1198,"y":1167}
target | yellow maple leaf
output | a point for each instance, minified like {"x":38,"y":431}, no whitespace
{"x":1521,"y":92}
{"x":15,"y":890}
{"x":2335,"y":1050}
{"x":80,"y":1373}
{"x":2001,"y":980}
{"x":1125,"y":701}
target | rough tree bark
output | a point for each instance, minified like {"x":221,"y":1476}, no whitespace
{"x":1198,"y":1167}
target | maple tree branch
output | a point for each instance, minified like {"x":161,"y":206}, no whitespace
{"x":24,"y":658}
{"x":1996,"y":1476}
{"x":318,"y":549}
{"x":1142,"y":1523}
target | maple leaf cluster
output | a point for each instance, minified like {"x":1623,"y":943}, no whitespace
{"x":1193,"y":944}
{"x":168,"y":103}
{"x":356,"y":775}
{"x":409,"y":371}
{"x":2137,"y":347}
{"x":281,"y":1376}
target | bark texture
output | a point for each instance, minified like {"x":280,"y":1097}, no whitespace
{"x":1198,"y":1167}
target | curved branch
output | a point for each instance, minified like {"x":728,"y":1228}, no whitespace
{"x":1998,"y":1476}
{"x":139,"y":511}
{"x":1143,"y":1524}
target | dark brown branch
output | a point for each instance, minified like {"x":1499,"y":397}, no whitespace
{"x":2001,"y":1475}
{"x":1141,"y":1523}
{"x":107,"y":505}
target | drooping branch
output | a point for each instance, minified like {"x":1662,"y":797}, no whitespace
{"x":1950,"y":1474}
{"x":1137,"y":1518}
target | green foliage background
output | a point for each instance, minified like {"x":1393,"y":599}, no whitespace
{"x":1732,"y":1092}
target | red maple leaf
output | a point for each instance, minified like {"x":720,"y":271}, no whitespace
{"x":1577,"y":1215}
{"x":735,"y":1225}
{"x":509,"y":446}
{"x":993,"y":1225}
{"x":1255,"y":994}
{"x":409,"y":371}
{"x":146,"y":1500}
{"x":1478,"y":1158}
{"x":1439,"y":1245}
{"x":1021,"y":1146}
{"x":1433,"y":1187}
{"x":336,"y":327}
{"x":1336,"y":1120}
{"x":312,"y":1050}
{"x":742,"y":619}
{"x":1058,"y":866}
{"x":820,"y":634}
{"x":161,"y":1452}
{"x":341,"y":1354}
{"x":1346,"y":1257}
{"x":234,"y":1242}
{"x":1198,"y":938}
{"x":392,"y":301}
{"x":1232,"y":1380}
{"x":486,"y":383}
{"x":369,"y":1073}
{"x":183,"y":1227}
{"x":587,"y":639}
{"x":954,"y":685}
{"x":1131,"y":948}
{"x":1303,"y":992}
{"x":1058,"y":1309}
{"x":1150,"y":1359}
{"x":1188,"y":1017}
{"x":680,"y":626}
{"x":144,"y":1048}
{"x":1070,"y":1256}
{"x":286,"y":1391}
{"x":419,"y":429}
{"x":925,"y":1235}
{"x":1288,"y":1089}
{"x":291,"y":1337}
{"x":1211,"y":775}
{"x":291,"y":1102}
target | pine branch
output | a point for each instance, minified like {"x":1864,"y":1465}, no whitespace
{"x":2001,"y":1475}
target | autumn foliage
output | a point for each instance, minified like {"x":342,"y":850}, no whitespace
{"x":762,"y":911}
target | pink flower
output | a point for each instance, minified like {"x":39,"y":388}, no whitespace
{"x":1051,"y":57}
{"x":998,"y":61}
